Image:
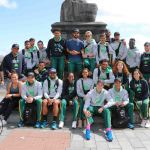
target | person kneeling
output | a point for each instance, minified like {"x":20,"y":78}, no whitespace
{"x":121,"y":100}
{"x":52,"y":91}
{"x":31,"y":93}
{"x":97,"y":102}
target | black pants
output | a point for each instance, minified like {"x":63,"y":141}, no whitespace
{"x":7,"y":105}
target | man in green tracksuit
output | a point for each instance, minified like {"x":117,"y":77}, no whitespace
{"x":31,"y":92}
{"x":120,"y":98}
{"x":69,"y":96}
{"x":98,"y":101}
{"x":145,"y":63}
{"x":56,"y":52}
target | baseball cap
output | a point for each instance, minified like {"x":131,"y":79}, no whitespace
{"x":147,"y":44}
{"x":116,"y":33}
{"x":118,"y":79}
{"x":15,"y":46}
{"x":30,"y":74}
{"x":52,"y":70}
{"x":76,"y":30}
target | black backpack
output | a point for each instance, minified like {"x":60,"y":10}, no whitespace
{"x":120,"y":118}
{"x":85,"y":91}
{"x":49,"y":84}
{"x":30,"y":114}
{"x":99,"y":72}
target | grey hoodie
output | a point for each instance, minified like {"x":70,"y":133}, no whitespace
{"x":103,"y":76}
{"x":54,"y":91}
{"x":122,"y":50}
{"x":133,"y":57}
{"x":119,"y":96}
{"x":91,"y":47}
{"x":34,"y":90}
{"x":103,"y":52}
{"x":43,"y":54}
{"x":88,"y":85}
{"x":93,"y":98}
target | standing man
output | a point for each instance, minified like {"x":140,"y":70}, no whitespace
{"x":52,"y":88}
{"x":119,"y":46}
{"x":133,"y":56}
{"x":74,"y":48}
{"x":145,"y":63}
{"x":30,"y":60}
{"x":42,"y":53}
{"x":31,"y":93}
{"x":56,"y":52}
{"x":13,"y":61}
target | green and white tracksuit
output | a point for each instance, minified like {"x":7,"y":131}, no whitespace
{"x":94,"y":101}
{"x":90,"y":47}
{"x":133,"y":58}
{"x":83,"y":87}
{"x":121,"y":97}
{"x":106,"y":75}
{"x":35,"y":91}
{"x":120,"y":49}
{"x":55,"y":89}
{"x":104,"y":51}
{"x":69,"y":95}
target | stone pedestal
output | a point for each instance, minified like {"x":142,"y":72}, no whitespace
{"x":66,"y":27}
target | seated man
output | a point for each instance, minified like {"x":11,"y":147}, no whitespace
{"x":104,"y":72}
{"x":31,"y":93}
{"x":52,"y":91}
{"x":120,"y":98}
{"x":41,"y":73}
{"x":97,"y":102}
{"x":69,"y":96}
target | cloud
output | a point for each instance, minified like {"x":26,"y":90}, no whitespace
{"x":129,"y":17}
{"x":8,"y":4}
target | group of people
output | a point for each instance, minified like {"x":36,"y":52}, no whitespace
{"x":100,"y":78}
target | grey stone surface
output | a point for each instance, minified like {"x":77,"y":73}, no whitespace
{"x":78,"y":11}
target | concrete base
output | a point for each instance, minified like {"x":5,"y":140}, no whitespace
{"x":67,"y":27}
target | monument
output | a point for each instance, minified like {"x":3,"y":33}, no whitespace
{"x":79,"y":14}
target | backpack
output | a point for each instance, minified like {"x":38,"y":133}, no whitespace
{"x":49,"y":84}
{"x":38,"y":54}
{"x":99,"y":72}
{"x":120,"y":118}
{"x":30,"y":114}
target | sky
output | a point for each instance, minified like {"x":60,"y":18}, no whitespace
{"x":22,"y":19}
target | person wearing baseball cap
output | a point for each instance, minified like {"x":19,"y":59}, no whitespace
{"x":56,"y":52}
{"x":31,"y":93}
{"x":121,"y":99}
{"x":14,"y":61}
{"x":74,"y":49}
{"x":98,"y":101}
{"x":52,"y":88}
{"x":119,"y":46}
{"x":145,"y":62}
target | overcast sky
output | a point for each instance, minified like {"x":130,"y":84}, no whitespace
{"x":22,"y":19}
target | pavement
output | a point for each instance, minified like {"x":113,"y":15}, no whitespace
{"x":29,"y":138}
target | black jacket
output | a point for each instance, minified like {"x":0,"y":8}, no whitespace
{"x":140,"y":88}
{"x":65,"y":93}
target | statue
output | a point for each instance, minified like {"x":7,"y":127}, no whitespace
{"x":78,"y":11}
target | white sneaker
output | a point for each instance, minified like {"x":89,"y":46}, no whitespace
{"x":74,"y":124}
{"x":143,"y":123}
{"x":61,"y":124}
{"x":147,"y":124}
{"x":4,"y":122}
